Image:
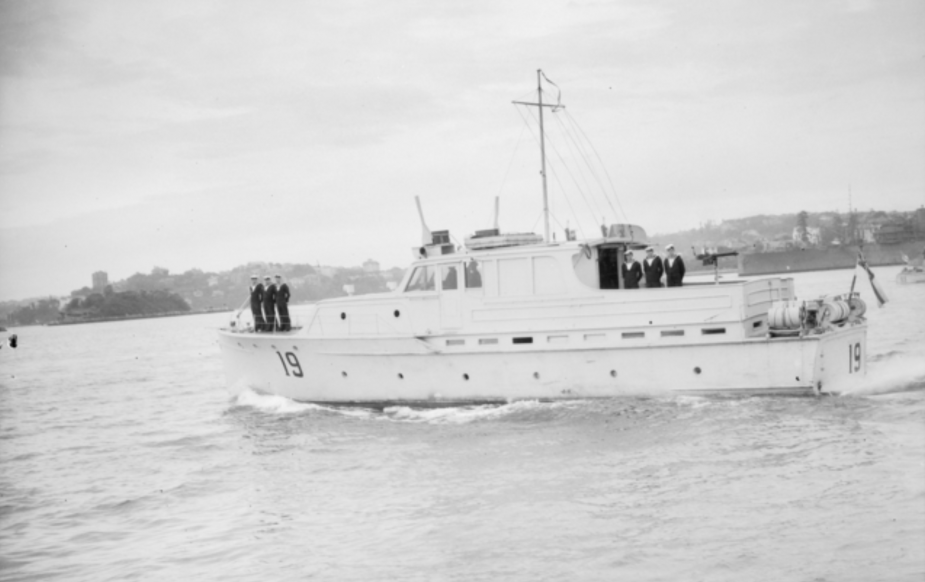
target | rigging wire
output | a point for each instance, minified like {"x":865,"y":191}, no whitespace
{"x":555,"y":175}
{"x":604,"y":167}
{"x":576,"y":152}
{"x":575,"y":144}
{"x":535,"y":222}
{"x":511,"y":164}
{"x":595,"y":212}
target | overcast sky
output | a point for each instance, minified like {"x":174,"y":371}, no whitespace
{"x":208,"y":134}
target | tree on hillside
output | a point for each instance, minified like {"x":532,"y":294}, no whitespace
{"x":832,"y":230}
{"x":851,"y":230}
{"x":803,"y":225}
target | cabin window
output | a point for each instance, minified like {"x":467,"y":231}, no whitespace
{"x":547,"y":280}
{"x":514,"y":277}
{"x":473,"y":275}
{"x":422,"y":279}
{"x":449,"y":280}
{"x":489,"y":271}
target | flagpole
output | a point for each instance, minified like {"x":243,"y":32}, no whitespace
{"x":879,"y":293}
{"x":857,"y":262}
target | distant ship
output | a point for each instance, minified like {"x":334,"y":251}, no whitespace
{"x":521,"y":316}
{"x":796,"y":261}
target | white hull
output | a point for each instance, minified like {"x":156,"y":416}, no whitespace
{"x":414,"y":370}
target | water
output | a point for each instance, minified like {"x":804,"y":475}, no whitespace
{"x":123,"y":458}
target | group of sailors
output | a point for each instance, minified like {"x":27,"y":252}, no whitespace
{"x":652,"y":269}
{"x":270,"y":304}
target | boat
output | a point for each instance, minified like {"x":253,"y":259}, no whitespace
{"x":913,"y":270}
{"x":910,"y":275}
{"x":520,"y":316}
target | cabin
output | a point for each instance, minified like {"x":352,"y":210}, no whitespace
{"x":520,"y":295}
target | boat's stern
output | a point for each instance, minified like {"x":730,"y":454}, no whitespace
{"x":841,"y":359}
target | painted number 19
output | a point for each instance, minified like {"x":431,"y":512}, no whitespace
{"x":290,"y":364}
{"x":854,"y":358}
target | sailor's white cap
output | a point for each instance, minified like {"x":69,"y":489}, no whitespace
{"x":254,"y":277}
{"x":669,"y":246}
{"x":627,"y":253}
{"x":650,"y":249}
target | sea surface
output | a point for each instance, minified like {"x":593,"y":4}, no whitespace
{"x":122,"y":457}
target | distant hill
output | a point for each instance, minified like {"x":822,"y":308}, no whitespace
{"x":207,"y":290}
{"x":768,"y":232}
{"x":161,"y":291}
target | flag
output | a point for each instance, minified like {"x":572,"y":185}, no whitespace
{"x":874,"y":284}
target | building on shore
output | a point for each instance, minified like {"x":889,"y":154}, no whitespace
{"x":100,"y":280}
{"x":371,"y":267}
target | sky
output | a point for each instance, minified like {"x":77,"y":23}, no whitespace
{"x":209,"y":134}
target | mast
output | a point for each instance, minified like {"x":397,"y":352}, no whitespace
{"x":541,"y":105}
{"x":539,"y":92}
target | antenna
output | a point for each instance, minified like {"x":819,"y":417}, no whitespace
{"x":426,"y":237}
{"x":497,"y":202}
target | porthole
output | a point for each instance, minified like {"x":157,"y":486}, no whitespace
{"x":344,"y":374}
{"x":397,"y":313}
{"x":343,"y":315}
{"x":697,"y":370}
{"x":536,"y":375}
{"x":401,"y":376}
{"x":613,"y":373}
{"x":465,"y":376}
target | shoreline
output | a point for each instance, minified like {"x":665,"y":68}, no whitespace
{"x":138,"y":316}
